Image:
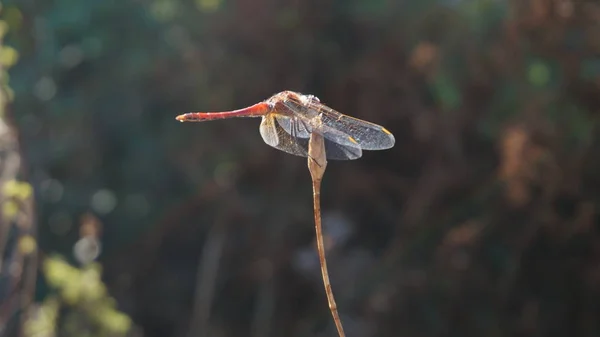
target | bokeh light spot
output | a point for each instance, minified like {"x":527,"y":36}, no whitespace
{"x":539,"y":74}
{"x":8,"y":56}
{"x":87,"y":249}
{"x":51,"y":190}
{"x":45,"y":89}
{"x":208,"y":5}
{"x":164,"y":10}
{"x":104,"y":201}
{"x":27,"y":244}
{"x":71,"y":56}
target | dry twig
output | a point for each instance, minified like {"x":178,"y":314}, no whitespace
{"x":317,"y":162}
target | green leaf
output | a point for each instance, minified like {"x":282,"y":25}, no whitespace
{"x":8,"y":56}
{"x":539,"y":74}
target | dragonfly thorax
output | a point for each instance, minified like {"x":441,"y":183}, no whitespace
{"x":290,"y":103}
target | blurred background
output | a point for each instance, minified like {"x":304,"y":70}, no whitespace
{"x":483,"y":220}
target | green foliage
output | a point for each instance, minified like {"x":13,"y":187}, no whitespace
{"x":493,"y":180}
{"x":15,"y":193}
{"x":538,"y":73}
{"x":208,"y":6}
{"x":91,"y":311}
{"x":8,"y":55}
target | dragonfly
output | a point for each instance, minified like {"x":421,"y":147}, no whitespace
{"x":289,"y":118}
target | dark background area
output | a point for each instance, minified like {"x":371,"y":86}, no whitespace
{"x":483,"y":220}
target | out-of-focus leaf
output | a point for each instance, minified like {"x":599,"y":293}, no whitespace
{"x":8,"y":56}
{"x":164,"y":10}
{"x":538,"y":73}
{"x":27,"y":244}
{"x":10,"y":209}
{"x":208,"y":6}
{"x":13,"y":17}
{"x":446,"y":92}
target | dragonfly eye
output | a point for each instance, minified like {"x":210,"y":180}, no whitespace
{"x":313,"y":98}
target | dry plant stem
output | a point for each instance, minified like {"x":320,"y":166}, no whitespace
{"x":317,"y":163}
{"x":207,"y":273}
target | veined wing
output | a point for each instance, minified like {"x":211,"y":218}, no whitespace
{"x":338,"y":145}
{"x":274,"y":135}
{"x":294,"y":127}
{"x":292,"y":135}
{"x":298,"y":127}
{"x":368,"y":135}
{"x":335,"y":151}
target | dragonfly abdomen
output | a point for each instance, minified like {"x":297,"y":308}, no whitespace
{"x":255,"y":110}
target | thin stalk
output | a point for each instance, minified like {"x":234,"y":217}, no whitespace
{"x":206,"y":276}
{"x":317,"y":162}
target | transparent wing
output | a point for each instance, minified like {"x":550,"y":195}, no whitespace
{"x":368,"y":135}
{"x":335,"y":151}
{"x":338,"y":146}
{"x":300,"y":129}
{"x":274,"y":135}
{"x":339,"y":128}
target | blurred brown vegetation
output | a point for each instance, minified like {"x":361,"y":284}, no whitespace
{"x":483,"y":220}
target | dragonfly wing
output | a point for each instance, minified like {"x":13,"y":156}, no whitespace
{"x":368,"y":135}
{"x":268,"y":131}
{"x":300,"y":130}
{"x":335,"y":151}
{"x":274,"y":135}
{"x":338,"y":146}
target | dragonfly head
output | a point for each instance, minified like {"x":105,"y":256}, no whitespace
{"x":313,"y":98}
{"x":271,"y":105}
